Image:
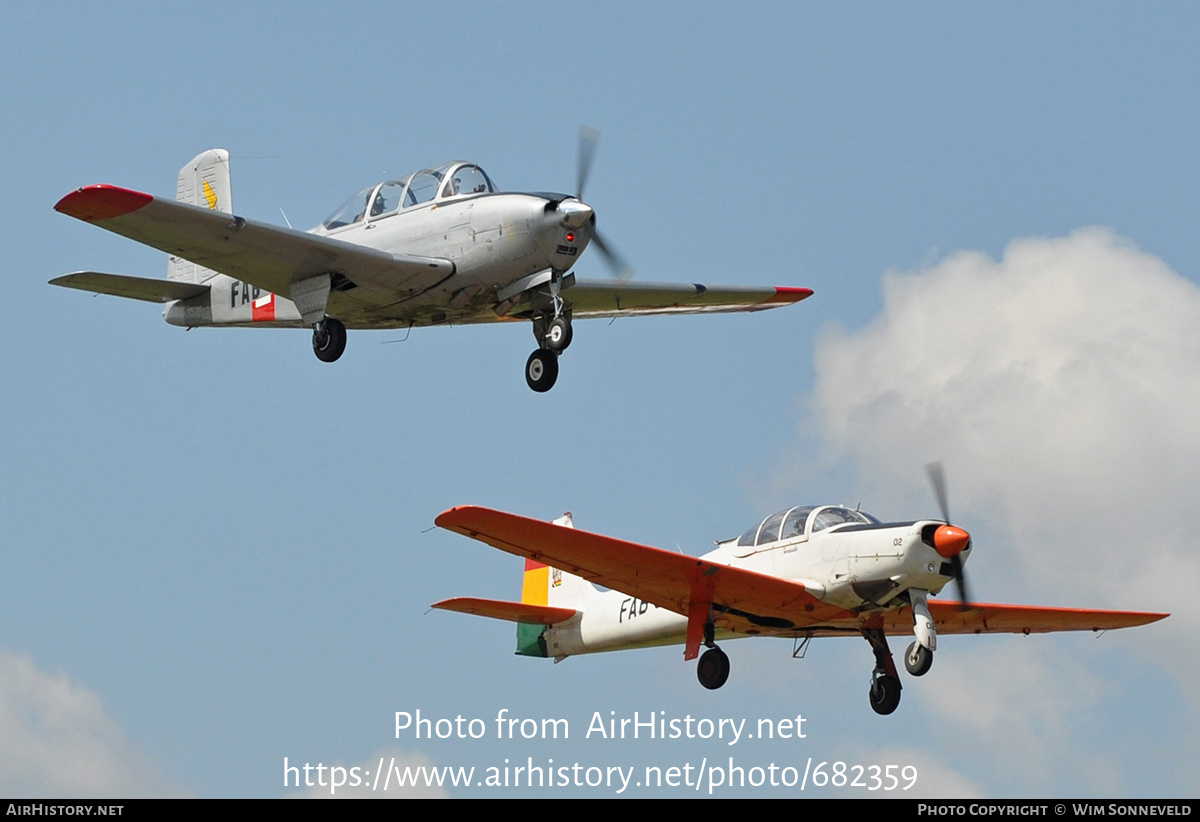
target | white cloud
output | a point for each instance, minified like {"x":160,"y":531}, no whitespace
{"x":1061,"y":386}
{"x":57,"y":741}
{"x":1031,"y":705}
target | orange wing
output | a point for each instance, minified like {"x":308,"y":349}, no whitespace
{"x":983,"y":618}
{"x":734,"y":598}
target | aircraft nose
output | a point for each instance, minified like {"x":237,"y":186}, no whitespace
{"x":950,"y":540}
{"x":574,"y":212}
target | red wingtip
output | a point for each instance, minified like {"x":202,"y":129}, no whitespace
{"x":94,"y":203}
{"x":785,"y":294}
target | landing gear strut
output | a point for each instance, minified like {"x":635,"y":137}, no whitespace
{"x":329,"y":339}
{"x":713,"y":668}
{"x":885,"y":683}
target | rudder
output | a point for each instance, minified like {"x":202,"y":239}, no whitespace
{"x":203,"y":181}
{"x":545,"y":585}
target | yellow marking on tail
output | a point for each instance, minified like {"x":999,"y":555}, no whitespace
{"x":534,"y":589}
{"x":210,"y":195}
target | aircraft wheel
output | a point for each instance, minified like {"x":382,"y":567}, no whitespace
{"x":713,"y":669}
{"x":329,"y":339}
{"x":541,"y":370}
{"x":918,"y":659}
{"x":885,"y":694}
{"x":558,"y":334}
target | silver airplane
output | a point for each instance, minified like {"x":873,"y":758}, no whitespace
{"x":439,"y":247}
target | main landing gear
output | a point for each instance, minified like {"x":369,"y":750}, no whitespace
{"x":329,"y":339}
{"x":885,"y":683}
{"x":713,"y":668}
{"x":553,"y":334}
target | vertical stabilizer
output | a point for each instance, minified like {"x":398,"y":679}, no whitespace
{"x":544,"y":585}
{"x":203,"y":181}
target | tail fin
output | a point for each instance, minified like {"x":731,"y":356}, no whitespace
{"x":203,"y":181}
{"x":544,"y":585}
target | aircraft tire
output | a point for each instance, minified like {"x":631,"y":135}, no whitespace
{"x":558,"y":335}
{"x":918,"y":659}
{"x":885,"y":694}
{"x":330,"y":341}
{"x":713,"y":668}
{"x":541,"y":370}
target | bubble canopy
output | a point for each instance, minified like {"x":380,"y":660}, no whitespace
{"x":800,"y":521}
{"x":444,"y":182}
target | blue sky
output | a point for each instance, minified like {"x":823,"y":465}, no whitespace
{"x":219,"y":548}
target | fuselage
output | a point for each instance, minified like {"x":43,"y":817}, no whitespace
{"x":842,"y":557}
{"x":494,"y":241}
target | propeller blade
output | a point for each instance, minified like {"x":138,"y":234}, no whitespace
{"x":588,"y":139}
{"x":937,"y":478}
{"x":961,"y":580}
{"x":620,"y":269}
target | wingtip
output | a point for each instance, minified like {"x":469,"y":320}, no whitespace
{"x":452,"y":517}
{"x":101,"y":202}
{"x":789,"y":294}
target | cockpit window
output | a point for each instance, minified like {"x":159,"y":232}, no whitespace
{"x":829,"y":517}
{"x":351,"y":211}
{"x":793,"y":523}
{"x":387,"y":199}
{"x":424,"y":186}
{"x":769,"y":532}
{"x":466,"y":180}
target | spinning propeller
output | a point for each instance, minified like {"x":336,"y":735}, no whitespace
{"x":589,"y":138}
{"x":949,"y":540}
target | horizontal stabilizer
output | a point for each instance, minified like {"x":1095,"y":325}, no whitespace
{"x":511,"y":611}
{"x":134,"y":288}
{"x":267,"y":256}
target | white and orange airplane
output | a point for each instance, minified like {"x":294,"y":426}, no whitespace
{"x":804,"y":572}
{"x":442,"y":246}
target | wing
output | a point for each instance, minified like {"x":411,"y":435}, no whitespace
{"x":734,"y":598}
{"x":1027,"y":619}
{"x":511,"y":611}
{"x":267,"y":256}
{"x":135,"y":288}
{"x":616,"y":298}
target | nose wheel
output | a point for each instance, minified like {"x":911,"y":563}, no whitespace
{"x":558,"y":335}
{"x":918,"y":659}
